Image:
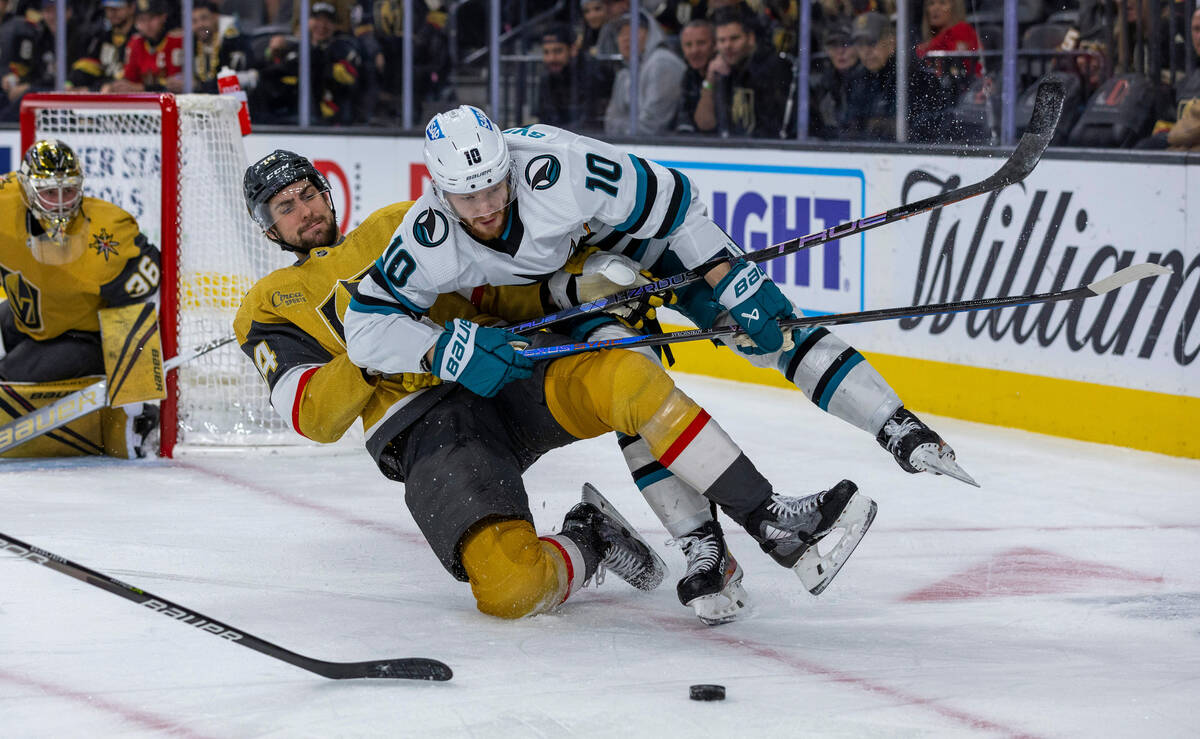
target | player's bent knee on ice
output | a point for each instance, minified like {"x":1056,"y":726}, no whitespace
{"x":512,"y":572}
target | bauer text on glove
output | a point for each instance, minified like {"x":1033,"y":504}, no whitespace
{"x":478,"y":357}
{"x":755,"y":303}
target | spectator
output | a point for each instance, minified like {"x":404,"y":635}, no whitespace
{"x":218,"y":48}
{"x":944,"y":27}
{"x":567,"y":95}
{"x":26,"y":55}
{"x":1180,"y":130}
{"x":103,"y":58}
{"x":606,"y":43}
{"x":699,"y":44}
{"x":674,"y":15}
{"x":746,"y":85}
{"x":1185,"y":134}
{"x":659,"y":83}
{"x":833,"y":81}
{"x":154,"y":60}
{"x":872,"y":101}
{"x":595,"y":16}
{"x":431,"y":54}
{"x":1093,"y":63}
{"x":335,"y":65}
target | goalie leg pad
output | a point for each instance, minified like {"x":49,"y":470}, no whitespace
{"x":20,"y":400}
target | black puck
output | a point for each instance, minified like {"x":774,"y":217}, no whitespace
{"x":707,"y":692}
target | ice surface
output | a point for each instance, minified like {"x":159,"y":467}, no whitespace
{"x":1061,"y":599}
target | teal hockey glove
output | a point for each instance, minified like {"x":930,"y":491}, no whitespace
{"x":479,"y":358}
{"x":756,"y":304}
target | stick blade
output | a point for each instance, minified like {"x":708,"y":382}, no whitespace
{"x":1132,"y":273}
{"x":404,"y":668}
{"x":1047,"y":108}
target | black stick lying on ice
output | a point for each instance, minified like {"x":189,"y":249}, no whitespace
{"x":410,"y":668}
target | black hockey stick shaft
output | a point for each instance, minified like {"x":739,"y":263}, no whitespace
{"x":412,"y":668}
{"x":1033,"y":143}
{"x":1091,"y":290}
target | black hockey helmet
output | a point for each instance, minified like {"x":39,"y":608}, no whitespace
{"x":266,"y":177}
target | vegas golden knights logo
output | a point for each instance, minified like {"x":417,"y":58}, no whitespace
{"x":25,"y":299}
{"x":742,"y":109}
{"x":335,"y":304}
{"x":104,"y":243}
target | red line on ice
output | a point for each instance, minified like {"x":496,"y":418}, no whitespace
{"x":741,"y":643}
{"x":299,"y":502}
{"x":142,"y":718}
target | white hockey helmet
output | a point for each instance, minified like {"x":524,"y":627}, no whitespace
{"x":466,"y":152}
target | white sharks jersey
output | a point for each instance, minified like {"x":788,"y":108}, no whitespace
{"x":567,"y":187}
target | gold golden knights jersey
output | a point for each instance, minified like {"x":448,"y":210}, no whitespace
{"x":56,"y":287}
{"x":290,"y":325}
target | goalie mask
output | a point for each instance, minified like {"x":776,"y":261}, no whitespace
{"x":466,"y":154}
{"x":52,"y":185}
{"x":270,"y":176}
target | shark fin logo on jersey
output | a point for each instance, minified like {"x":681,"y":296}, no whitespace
{"x":431,"y":228}
{"x":542,"y":172}
{"x":433,"y":131}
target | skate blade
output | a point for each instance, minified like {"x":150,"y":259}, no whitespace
{"x":730,"y":604}
{"x":940,"y":464}
{"x":593,"y":496}
{"x":817,"y":570}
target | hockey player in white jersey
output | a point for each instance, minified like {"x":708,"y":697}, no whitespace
{"x":511,"y":209}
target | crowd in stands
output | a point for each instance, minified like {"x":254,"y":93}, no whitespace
{"x":724,"y":68}
{"x":137,"y":45}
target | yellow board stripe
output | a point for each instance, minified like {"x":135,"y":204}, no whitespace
{"x":1138,"y":419}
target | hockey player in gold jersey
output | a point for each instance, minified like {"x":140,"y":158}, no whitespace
{"x":460,"y":449}
{"x":63,"y":257}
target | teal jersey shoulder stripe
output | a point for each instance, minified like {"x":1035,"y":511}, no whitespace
{"x":685,"y":202}
{"x":639,"y":203}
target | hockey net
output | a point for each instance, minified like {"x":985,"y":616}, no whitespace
{"x":175,"y":162}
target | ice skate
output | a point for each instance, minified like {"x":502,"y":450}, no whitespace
{"x":618,"y":547}
{"x":146,"y":431}
{"x":795,"y":530}
{"x":712,"y":585}
{"x":918,"y":448}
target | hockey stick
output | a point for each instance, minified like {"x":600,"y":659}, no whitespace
{"x":411,"y":668}
{"x":1099,"y":287}
{"x":82,"y":402}
{"x":1033,"y":143}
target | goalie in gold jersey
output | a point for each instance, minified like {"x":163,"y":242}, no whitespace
{"x":460,"y":449}
{"x":63,"y":257}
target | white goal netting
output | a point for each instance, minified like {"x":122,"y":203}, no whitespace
{"x":219,"y":251}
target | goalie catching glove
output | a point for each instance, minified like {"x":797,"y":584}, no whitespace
{"x":601,"y":274}
{"x":756,"y":304}
{"x":479,"y":358}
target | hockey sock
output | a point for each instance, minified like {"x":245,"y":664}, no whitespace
{"x":835,"y":377}
{"x":678,"y":505}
